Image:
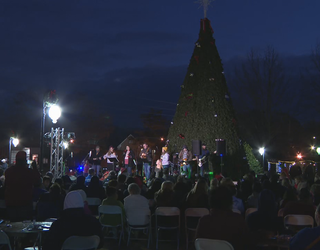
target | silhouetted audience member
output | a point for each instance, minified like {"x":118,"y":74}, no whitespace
{"x":19,"y":189}
{"x":237,"y":203}
{"x":80,"y":184}
{"x":37,"y":191}
{"x":289,"y":195}
{"x":46,"y":182}
{"x":95,"y":190}
{"x":62,"y":186}
{"x":308,"y":238}
{"x":164,"y":197}
{"x":73,"y":222}
{"x":253,"y":199}
{"x":303,"y":206}
{"x":266,"y":218}
{"x":50,"y":204}
{"x":198,"y":196}
{"x":222,"y":223}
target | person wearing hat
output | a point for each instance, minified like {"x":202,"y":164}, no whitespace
{"x":72,"y":222}
{"x":19,"y":184}
{"x":185,"y":157}
{"x":165,"y":158}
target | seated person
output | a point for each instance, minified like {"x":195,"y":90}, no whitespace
{"x":237,"y":203}
{"x":80,"y":184}
{"x":112,"y":200}
{"x":50,"y":204}
{"x":164,"y":197}
{"x":136,"y":207}
{"x":198,"y":196}
{"x":90,"y":175}
{"x":303,"y":206}
{"x":73,"y":222}
{"x":308,"y":238}
{"x":222,"y":223}
{"x":46,"y":182}
{"x":266,"y":218}
{"x":95,"y":189}
{"x":252,"y":201}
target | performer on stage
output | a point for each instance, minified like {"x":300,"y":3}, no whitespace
{"x":203,"y":160}
{"x":128,"y":160}
{"x":96,"y":157}
{"x":108,"y":156}
{"x":185,"y":157}
{"x":165,"y":159}
{"x":146,"y":157}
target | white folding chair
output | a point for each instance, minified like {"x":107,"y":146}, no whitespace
{"x":208,"y":244}
{"x":4,"y":240}
{"x":298,"y":220}
{"x":111,"y":210}
{"x":173,"y":213}
{"x":93,"y":201}
{"x":250,"y":211}
{"x":146,"y":227}
{"x":193,"y":213}
{"x":81,"y":243}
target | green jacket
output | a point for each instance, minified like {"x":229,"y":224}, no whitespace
{"x":113,"y":220}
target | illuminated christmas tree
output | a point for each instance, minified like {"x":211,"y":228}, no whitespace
{"x":204,"y":110}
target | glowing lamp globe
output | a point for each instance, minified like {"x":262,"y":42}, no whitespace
{"x":65,"y":145}
{"x":261,"y":151}
{"x":15,"y":142}
{"x":54,"y":113}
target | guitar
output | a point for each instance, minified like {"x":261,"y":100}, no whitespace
{"x":202,"y":161}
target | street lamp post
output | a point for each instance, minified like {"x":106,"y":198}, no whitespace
{"x":262,"y":151}
{"x":13,"y":141}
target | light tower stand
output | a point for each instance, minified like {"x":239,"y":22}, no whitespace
{"x":56,"y":156}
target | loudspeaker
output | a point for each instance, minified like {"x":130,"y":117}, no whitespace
{"x":196,"y":147}
{"x":221,"y":147}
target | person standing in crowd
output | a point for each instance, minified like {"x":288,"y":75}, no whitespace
{"x":96,"y":157}
{"x":110,"y":155}
{"x":19,"y":184}
{"x":73,"y":222}
{"x":146,"y":156}
{"x":203,"y":160}
{"x":165,"y":159}
{"x":185,"y":157}
{"x":222,"y":223}
{"x":129,"y":160}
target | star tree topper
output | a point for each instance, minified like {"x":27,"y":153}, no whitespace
{"x":205,"y":4}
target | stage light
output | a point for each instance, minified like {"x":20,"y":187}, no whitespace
{"x":54,"y":113}
{"x":299,"y":156}
{"x":313,"y":147}
{"x":318,"y":150}
{"x":162,"y":139}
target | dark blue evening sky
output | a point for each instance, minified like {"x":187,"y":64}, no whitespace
{"x":136,"y":52}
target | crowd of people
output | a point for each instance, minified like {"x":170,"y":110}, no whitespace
{"x":29,"y":196}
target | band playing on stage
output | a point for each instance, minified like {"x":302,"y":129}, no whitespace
{"x":147,"y":163}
